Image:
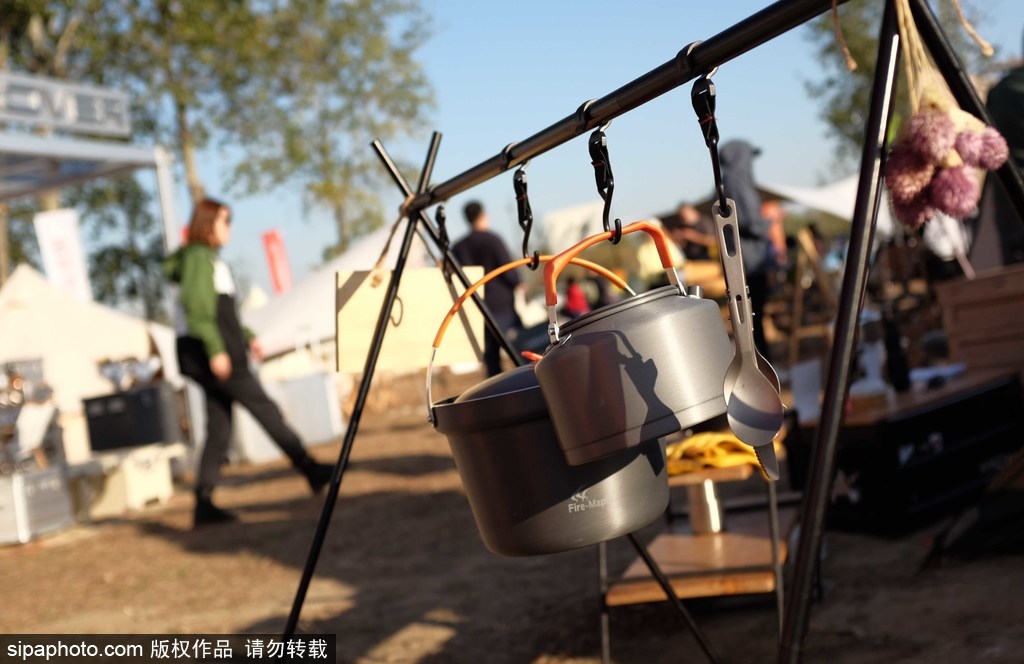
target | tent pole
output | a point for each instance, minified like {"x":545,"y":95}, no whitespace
{"x":865,"y":214}
{"x":165,"y":192}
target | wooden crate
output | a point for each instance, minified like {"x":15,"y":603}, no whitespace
{"x":984,"y":318}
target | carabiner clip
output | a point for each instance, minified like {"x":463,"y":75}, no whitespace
{"x":702,"y":96}
{"x":604,"y":179}
{"x":442,"y":231}
{"x":525,"y":213}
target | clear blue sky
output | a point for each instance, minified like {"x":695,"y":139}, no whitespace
{"x":504,"y":71}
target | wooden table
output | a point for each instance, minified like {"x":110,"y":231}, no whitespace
{"x":704,"y":565}
{"x":743,"y":561}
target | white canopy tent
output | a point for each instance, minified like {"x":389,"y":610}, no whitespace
{"x":837,"y":199}
{"x":567,"y":226}
{"x":72,"y":337}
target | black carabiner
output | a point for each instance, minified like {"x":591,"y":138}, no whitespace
{"x":605,"y":181}
{"x":702,"y":96}
{"x":525,"y":214}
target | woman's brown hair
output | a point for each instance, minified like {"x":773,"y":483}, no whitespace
{"x":200,"y":228}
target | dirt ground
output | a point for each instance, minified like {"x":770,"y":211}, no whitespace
{"x":404,"y":578}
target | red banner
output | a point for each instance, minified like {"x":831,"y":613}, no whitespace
{"x":277,"y":261}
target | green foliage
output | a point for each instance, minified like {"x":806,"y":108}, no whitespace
{"x":294,"y":91}
{"x":331,"y":77}
{"x":126,"y":271}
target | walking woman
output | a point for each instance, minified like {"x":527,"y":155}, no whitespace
{"x":213,"y":350}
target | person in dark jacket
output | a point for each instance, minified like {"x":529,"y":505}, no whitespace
{"x":738,"y":177}
{"x":1006,"y":107}
{"x":213,"y":350}
{"x":484,"y":248}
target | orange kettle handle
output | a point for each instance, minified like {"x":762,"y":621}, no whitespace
{"x":558,"y":263}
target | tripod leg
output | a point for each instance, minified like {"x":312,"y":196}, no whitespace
{"x":865,"y":214}
{"x":425,"y":222}
{"x":357,"y":412}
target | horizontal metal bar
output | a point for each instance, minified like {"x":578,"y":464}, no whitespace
{"x":688,"y":64}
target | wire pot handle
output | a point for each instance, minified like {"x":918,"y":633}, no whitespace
{"x":497,"y":272}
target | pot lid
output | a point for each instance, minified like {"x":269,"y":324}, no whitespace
{"x":623,"y":305}
{"x":514,"y":380}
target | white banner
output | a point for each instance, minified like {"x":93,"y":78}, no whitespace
{"x":61,"y":249}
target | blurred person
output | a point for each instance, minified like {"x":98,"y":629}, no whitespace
{"x":1005,"y":105}
{"x":773,"y":212}
{"x":213,"y":350}
{"x":693,"y":232}
{"x":754,"y":230}
{"x":600,"y":287}
{"x":484,"y":248}
{"x":820,"y":244}
{"x":576,"y":303}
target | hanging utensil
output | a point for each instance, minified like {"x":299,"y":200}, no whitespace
{"x":751,"y":387}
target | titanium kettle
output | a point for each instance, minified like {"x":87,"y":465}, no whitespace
{"x":632,"y":371}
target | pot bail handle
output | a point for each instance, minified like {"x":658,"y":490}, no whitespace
{"x":496,"y":272}
{"x":558,"y":263}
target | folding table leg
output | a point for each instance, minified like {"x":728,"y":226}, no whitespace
{"x":670,"y":592}
{"x":773,"y":519}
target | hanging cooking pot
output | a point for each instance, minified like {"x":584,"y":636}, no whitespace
{"x":635,"y":370}
{"x":526,"y":500}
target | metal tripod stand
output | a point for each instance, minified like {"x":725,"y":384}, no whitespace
{"x":692,"y":61}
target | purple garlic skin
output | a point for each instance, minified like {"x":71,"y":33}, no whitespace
{"x":970,"y":145}
{"x":915,"y":212}
{"x":930,"y":134}
{"x":955,"y":191}
{"x":994,"y":151}
{"x":907,"y":174}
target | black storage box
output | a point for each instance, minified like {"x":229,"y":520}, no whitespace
{"x":918,"y":464}
{"x":140,"y":416}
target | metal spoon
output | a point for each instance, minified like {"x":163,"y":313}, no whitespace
{"x":751,"y":387}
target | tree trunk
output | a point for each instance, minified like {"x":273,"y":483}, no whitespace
{"x":188,"y":156}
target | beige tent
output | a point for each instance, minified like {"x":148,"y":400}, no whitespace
{"x":38,"y":321}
